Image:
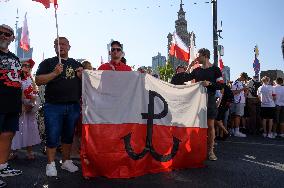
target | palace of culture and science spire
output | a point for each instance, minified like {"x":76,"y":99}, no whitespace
{"x":182,"y":32}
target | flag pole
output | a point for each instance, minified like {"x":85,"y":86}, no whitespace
{"x":57,"y":35}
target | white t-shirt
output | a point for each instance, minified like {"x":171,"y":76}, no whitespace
{"x":279,"y":91}
{"x":266,"y":93}
{"x":239,"y":98}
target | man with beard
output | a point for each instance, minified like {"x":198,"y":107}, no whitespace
{"x":211,"y":78}
{"x":10,"y":100}
{"x":62,"y":103}
{"x":116,"y":53}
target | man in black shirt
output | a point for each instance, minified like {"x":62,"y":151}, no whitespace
{"x":62,"y":108}
{"x":10,"y":99}
{"x":178,"y":78}
{"x":211,"y":78}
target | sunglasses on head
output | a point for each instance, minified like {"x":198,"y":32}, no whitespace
{"x":116,"y":49}
{"x":26,"y":65}
{"x":5,"y":34}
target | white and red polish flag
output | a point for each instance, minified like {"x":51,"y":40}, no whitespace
{"x":221,"y":64}
{"x":25,"y":40}
{"x":135,"y":124}
{"x":46,"y":3}
{"x":179,"y":49}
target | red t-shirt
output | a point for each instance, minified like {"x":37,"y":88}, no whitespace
{"x":117,"y":66}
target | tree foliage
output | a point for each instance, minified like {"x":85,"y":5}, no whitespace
{"x":166,"y":72}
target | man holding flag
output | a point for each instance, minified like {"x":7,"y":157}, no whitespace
{"x":62,"y":77}
{"x":211,"y":78}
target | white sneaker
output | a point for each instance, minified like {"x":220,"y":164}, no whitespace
{"x":69,"y":166}
{"x":51,"y":169}
{"x":270,"y":135}
{"x":232,"y":131}
{"x":239,"y":134}
{"x":274,"y":135}
{"x":212,"y":156}
{"x":264,"y":135}
{"x":281,"y":135}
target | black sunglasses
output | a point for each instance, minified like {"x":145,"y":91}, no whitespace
{"x":5,"y":34}
{"x":117,"y":49}
{"x":26,"y":65}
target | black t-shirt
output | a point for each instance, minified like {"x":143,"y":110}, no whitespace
{"x":178,"y":79}
{"x":211,"y":74}
{"x":10,"y":83}
{"x":65,"y":88}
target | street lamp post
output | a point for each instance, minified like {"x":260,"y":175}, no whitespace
{"x":215,"y":32}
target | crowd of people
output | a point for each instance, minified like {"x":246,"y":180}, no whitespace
{"x":231,"y":106}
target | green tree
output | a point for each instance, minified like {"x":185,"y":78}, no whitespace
{"x":166,"y":72}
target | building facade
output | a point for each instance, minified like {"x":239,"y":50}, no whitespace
{"x":182,"y":32}
{"x":272,"y":74}
{"x":158,"y":61}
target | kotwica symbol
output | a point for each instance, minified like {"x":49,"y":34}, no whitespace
{"x":150,"y":116}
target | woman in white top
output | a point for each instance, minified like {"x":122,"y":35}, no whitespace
{"x":266,"y":95}
{"x":279,"y":102}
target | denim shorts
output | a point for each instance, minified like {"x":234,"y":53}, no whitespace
{"x":60,"y":121}
{"x":9,"y":122}
{"x":238,"y":109}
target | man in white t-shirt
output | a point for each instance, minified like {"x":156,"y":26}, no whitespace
{"x":279,"y":102}
{"x":266,"y":94}
{"x":237,"y":108}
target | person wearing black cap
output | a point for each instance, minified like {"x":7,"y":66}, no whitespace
{"x":10,"y":103}
{"x":178,"y":78}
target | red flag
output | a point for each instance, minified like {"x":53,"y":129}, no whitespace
{"x":25,"y":41}
{"x":131,"y":127}
{"x":46,"y":3}
{"x":179,"y":49}
{"x":221,"y":64}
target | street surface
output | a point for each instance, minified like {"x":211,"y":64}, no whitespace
{"x":242,"y":162}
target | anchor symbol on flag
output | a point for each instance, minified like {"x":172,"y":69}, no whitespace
{"x":150,"y":116}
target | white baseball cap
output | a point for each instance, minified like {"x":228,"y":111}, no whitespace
{"x":8,"y":28}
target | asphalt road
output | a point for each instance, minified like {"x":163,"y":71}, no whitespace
{"x":242,"y":162}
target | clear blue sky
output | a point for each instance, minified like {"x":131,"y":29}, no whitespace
{"x":142,"y":26}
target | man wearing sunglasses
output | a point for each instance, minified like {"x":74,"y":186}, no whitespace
{"x":10,"y":99}
{"x":62,"y":103}
{"x":116,"y":54}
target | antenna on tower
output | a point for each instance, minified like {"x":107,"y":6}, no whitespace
{"x":16,"y":33}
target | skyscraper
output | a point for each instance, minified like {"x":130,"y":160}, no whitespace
{"x":182,"y":32}
{"x":158,"y":61}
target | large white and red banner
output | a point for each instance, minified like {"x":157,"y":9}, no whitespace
{"x":134,"y":124}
